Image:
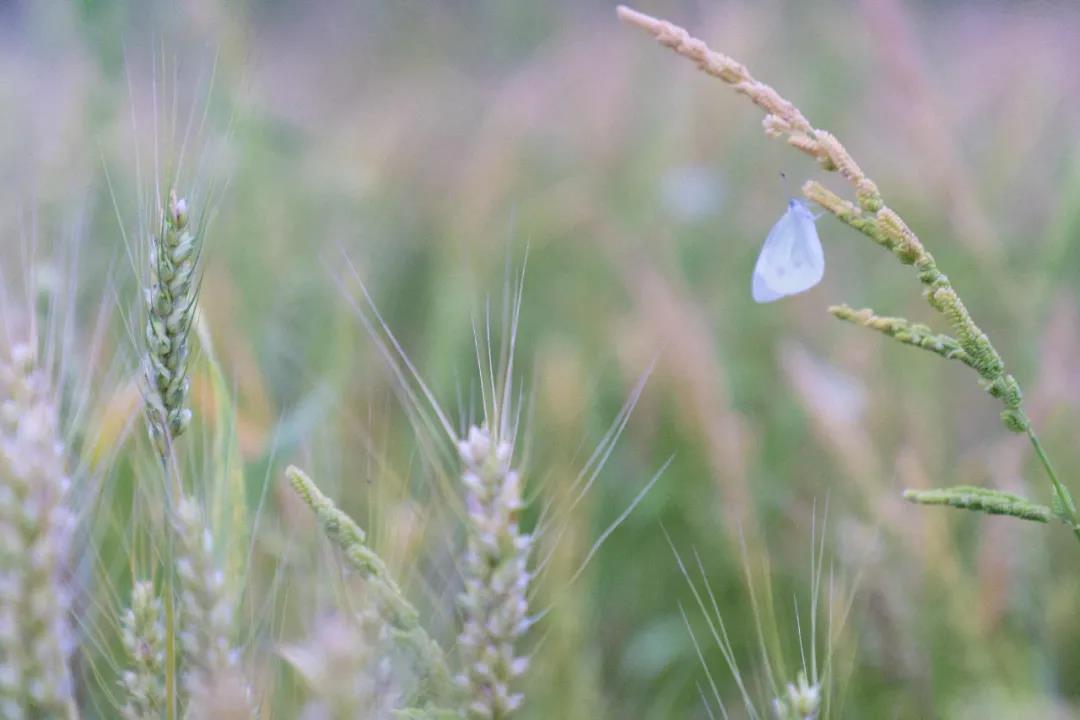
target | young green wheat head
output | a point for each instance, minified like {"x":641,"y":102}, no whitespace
{"x":170,"y":308}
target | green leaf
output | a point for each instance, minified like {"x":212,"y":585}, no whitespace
{"x":993,"y":502}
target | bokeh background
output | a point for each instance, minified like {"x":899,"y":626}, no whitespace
{"x":437,"y":145}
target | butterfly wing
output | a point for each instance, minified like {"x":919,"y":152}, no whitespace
{"x":791,"y":260}
{"x":761,"y":290}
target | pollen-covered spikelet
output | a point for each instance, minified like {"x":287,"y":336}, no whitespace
{"x":170,"y":307}
{"x":496,"y":575}
{"x":35,"y":636}
{"x":143,"y":635}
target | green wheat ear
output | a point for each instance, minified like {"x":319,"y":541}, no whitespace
{"x":170,"y":307}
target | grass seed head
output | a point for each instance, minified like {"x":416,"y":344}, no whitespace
{"x":171,"y":300}
{"x":36,"y":639}
{"x":495,"y":570}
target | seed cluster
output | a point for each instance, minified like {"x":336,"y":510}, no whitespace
{"x":496,"y":576}
{"x":170,"y":302}
{"x":35,"y":636}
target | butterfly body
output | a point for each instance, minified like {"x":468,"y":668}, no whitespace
{"x":791,"y":260}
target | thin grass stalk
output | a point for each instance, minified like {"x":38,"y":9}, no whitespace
{"x":872,"y":217}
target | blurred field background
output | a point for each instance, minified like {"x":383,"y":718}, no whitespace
{"x":435,"y":144}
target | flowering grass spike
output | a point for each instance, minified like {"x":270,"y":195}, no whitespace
{"x":872,"y":217}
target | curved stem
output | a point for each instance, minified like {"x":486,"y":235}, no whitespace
{"x":1059,"y":489}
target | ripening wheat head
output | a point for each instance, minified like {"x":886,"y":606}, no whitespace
{"x":36,"y":639}
{"x":480,"y":468}
{"x":496,"y":575}
{"x":211,"y":671}
{"x":143,"y":635}
{"x":170,"y":308}
{"x":49,"y":383}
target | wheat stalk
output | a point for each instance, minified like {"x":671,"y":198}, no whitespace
{"x":35,"y":638}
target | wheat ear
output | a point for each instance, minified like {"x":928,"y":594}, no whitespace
{"x":143,"y":635}
{"x":35,"y":637}
{"x":170,"y":307}
{"x":495,"y":570}
{"x":205,"y":612}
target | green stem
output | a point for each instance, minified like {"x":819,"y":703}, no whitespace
{"x":1059,"y":489}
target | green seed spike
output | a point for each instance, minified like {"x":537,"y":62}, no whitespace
{"x":391,"y":603}
{"x":992,"y":502}
{"x":905,"y":331}
{"x":871,"y":217}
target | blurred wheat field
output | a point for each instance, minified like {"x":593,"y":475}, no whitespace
{"x":434,"y":154}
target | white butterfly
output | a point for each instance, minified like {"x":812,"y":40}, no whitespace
{"x":791,"y":260}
